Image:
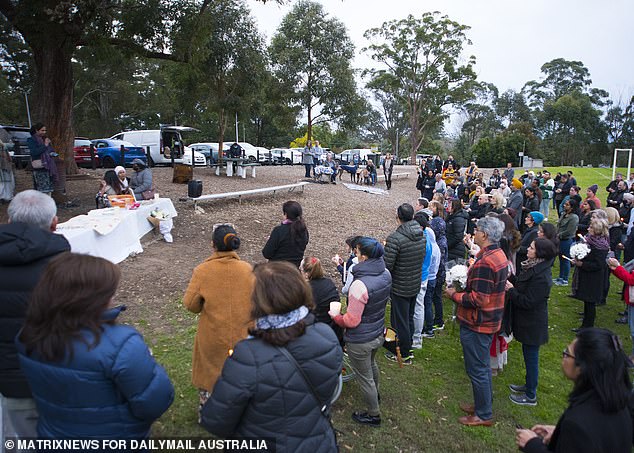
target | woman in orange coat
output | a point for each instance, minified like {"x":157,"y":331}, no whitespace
{"x":220,"y":290}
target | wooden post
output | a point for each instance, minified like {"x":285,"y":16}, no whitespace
{"x":148,"y":155}
{"x":122,"y":156}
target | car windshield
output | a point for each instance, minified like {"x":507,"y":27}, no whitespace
{"x":82,"y":142}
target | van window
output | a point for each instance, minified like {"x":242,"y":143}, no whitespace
{"x":118,"y":137}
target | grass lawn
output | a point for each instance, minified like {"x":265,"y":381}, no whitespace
{"x":420,"y":402}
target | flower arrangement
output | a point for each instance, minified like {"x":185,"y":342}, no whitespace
{"x":579,"y":251}
{"x":457,"y":277}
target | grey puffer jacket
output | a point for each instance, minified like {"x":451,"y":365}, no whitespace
{"x":262,"y":394}
{"x":404,"y":256}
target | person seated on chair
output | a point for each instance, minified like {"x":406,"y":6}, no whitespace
{"x":110,"y":185}
{"x":167,"y":152}
{"x":141,"y":180}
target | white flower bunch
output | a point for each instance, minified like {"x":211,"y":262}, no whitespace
{"x":457,"y":277}
{"x":579,"y":251}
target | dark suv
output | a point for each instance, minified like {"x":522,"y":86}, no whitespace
{"x":17,"y":145}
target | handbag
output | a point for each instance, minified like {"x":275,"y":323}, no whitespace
{"x":148,"y":194}
{"x":37,"y":164}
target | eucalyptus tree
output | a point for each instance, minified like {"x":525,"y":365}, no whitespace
{"x":423,"y":58}
{"x":311,"y":54}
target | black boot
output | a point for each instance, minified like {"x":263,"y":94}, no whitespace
{"x":366,"y":419}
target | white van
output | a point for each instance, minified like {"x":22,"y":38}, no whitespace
{"x":162,"y":143}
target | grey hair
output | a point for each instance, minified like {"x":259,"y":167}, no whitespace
{"x":492,"y":227}
{"x":33,"y":208}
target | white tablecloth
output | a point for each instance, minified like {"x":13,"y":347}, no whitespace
{"x":120,"y":230}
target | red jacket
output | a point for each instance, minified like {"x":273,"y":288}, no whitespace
{"x":628,"y":278}
{"x":481,"y":306}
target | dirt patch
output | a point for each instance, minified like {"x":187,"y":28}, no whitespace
{"x":155,"y":280}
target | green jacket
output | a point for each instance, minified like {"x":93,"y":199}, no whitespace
{"x":404,"y":256}
{"x":567,"y":226}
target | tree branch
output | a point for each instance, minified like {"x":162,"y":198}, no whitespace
{"x":142,"y":51}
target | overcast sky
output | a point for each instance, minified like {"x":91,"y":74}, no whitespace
{"x":511,"y":39}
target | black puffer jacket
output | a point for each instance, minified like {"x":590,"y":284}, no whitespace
{"x":404,"y":256}
{"x":456,"y":227}
{"x":261,"y":394}
{"x":24,"y":252}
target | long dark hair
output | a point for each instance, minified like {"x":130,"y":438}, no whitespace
{"x":550,"y":232}
{"x":113,"y":181}
{"x":293,"y":211}
{"x":36,"y":127}
{"x":279,"y":288}
{"x":603,"y":368}
{"x":72,"y":295}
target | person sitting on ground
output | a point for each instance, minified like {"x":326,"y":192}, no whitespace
{"x":79,"y":361}
{"x":597,"y":417}
{"x":27,"y":244}
{"x":223,"y":305}
{"x":280,"y":381}
{"x":141,"y":180}
{"x":364,"y":321}
{"x":323,"y":290}
{"x":110,"y":185}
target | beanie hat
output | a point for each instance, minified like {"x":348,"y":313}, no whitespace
{"x":119,"y":169}
{"x":537,"y":216}
{"x":594,"y":188}
{"x":516,"y":183}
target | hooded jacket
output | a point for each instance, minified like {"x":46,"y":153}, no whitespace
{"x":24,"y":252}
{"x":404,"y":256}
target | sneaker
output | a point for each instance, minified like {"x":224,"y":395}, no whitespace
{"x":439,"y":326}
{"x":428,"y":334}
{"x":517,"y":388}
{"x":621,"y":320}
{"x":392,"y":358}
{"x":562,"y":282}
{"x":522,"y":399}
{"x":556,"y":280}
{"x":366,"y":419}
{"x":417,"y":344}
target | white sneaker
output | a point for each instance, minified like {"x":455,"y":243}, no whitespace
{"x":417,"y":344}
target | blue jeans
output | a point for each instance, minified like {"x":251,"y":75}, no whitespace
{"x":531,"y":360}
{"x":429,"y":297}
{"x":308,"y":168}
{"x":564,"y":264}
{"x":544,"y":208}
{"x":475,"y":348}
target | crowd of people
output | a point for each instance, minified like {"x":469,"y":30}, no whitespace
{"x":268,"y":353}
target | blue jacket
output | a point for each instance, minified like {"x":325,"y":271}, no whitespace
{"x":114,"y":390}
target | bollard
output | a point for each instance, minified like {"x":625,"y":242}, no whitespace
{"x":122,"y":160}
{"x":148,"y":157}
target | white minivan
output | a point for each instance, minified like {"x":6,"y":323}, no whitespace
{"x":162,"y":143}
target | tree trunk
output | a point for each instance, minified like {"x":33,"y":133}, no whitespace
{"x":222,"y":119}
{"x":53,"y":96}
{"x":310,"y":121}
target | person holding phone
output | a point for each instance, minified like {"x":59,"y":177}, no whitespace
{"x":42,"y":154}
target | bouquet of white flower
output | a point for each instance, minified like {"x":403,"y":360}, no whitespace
{"x":457,"y":277}
{"x":579,"y":251}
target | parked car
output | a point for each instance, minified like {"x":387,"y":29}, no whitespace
{"x":109,"y":152}
{"x":81,"y":151}
{"x":283,"y":156}
{"x":364,"y":153}
{"x":210,"y":150}
{"x":15,"y":138}
{"x":163,"y":143}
